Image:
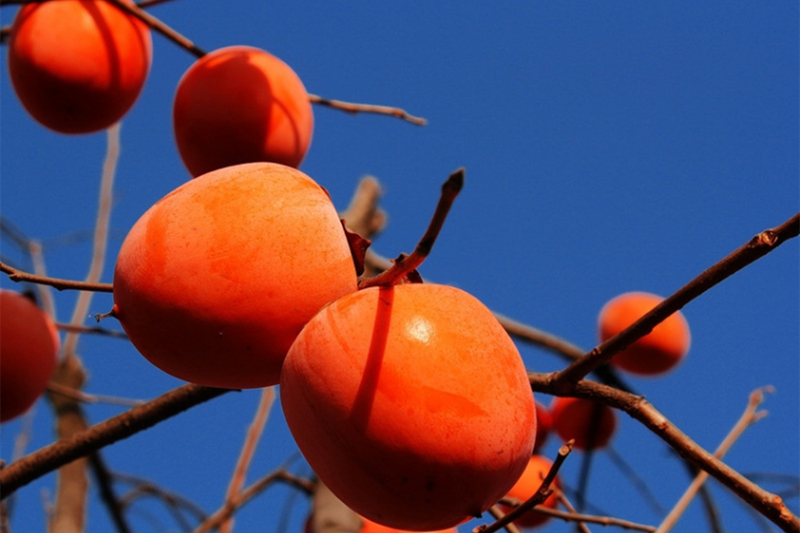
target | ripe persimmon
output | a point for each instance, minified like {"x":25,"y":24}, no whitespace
{"x":544,"y":425}
{"x":657,"y":352}
{"x":77,"y":66}
{"x":240,"y":105}
{"x":373,"y":527}
{"x":591,"y":424}
{"x":215,"y":280}
{"x":527,"y":485}
{"x":29,"y":346}
{"x":411,"y":403}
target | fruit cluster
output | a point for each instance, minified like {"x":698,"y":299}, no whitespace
{"x":78,"y":66}
{"x":408,"y":400}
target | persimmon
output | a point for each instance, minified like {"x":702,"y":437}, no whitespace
{"x":374,"y":527}
{"x":239,"y":105}
{"x":591,"y":424}
{"x":411,"y":403}
{"x":78,"y":66}
{"x":544,"y":425}
{"x":215,"y":280}
{"x":29,"y":346}
{"x":657,"y":352}
{"x":527,"y":485}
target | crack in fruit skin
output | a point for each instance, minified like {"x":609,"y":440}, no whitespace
{"x":29,"y":346}
{"x":411,"y":403}
{"x":215,"y":280}
{"x":78,"y":66}
{"x":238,"y":105}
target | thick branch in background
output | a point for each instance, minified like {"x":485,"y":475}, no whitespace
{"x":766,"y":503}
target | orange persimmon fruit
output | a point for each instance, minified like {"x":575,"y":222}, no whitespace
{"x":29,"y":346}
{"x":77,"y":66}
{"x":239,"y":105}
{"x":657,"y":352}
{"x":215,"y":280}
{"x":411,"y":403}
{"x":527,"y":485}
{"x":591,"y":424}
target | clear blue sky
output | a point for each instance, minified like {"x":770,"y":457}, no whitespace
{"x":608,"y":146}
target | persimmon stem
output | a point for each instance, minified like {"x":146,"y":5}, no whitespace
{"x":539,"y":497}
{"x":406,"y":263}
{"x":754,"y":249}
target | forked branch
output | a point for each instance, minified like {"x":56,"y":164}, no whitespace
{"x":757,"y":247}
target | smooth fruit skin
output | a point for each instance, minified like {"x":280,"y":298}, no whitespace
{"x":657,"y":352}
{"x":77,"y":66}
{"x":239,"y":105}
{"x":527,"y":485}
{"x":411,"y":403}
{"x":374,"y":527}
{"x":215,"y":280}
{"x":29,"y":346}
{"x":576,"y":418}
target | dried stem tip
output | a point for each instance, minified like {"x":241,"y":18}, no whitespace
{"x":405,"y":264}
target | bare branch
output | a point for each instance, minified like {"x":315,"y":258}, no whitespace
{"x":59,"y":284}
{"x":757,"y":247}
{"x":749,"y":417}
{"x":769,"y":505}
{"x":47,"y":459}
{"x":367,"y":108}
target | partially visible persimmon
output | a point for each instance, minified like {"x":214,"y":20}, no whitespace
{"x":411,"y":403}
{"x":544,"y":425}
{"x":591,"y":424}
{"x":77,"y":66}
{"x":657,"y":352}
{"x":374,"y":527}
{"x":527,"y":485}
{"x":215,"y":280}
{"x":28,"y":353}
{"x":240,"y":105}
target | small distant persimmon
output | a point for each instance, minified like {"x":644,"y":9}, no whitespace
{"x":411,"y":403}
{"x":657,"y":352}
{"x":527,"y":485}
{"x":215,"y":280}
{"x":29,"y":346}
{"x":591,"y":424}
{"x":77,"y":66}
{"x":240,"y":105}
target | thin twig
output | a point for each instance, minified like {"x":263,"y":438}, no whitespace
{"x":80,"y":396}
{"x":755,"y":248}
{"x":254,"y":433}
{"x":18,"y":276}
{"x":92,"y":330}
{"x":749,"y":417}
{"x":768,"y":504}
{"x":539,"y":497}
{"x":159,"y":26}
{"x":61,"y":452}
{"x":498,"y":514}
{"x":354,"y":108}
{"x":103,"y":478}
{"x":406,"y":264}
{"x":227,"y":510}
{"x":580,"y":524}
